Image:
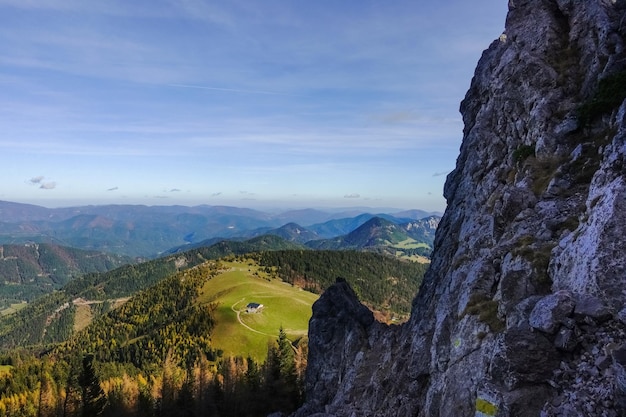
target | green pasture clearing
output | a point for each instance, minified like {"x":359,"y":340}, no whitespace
{"x":83,"y":317}
{"x":410,"y":244}
{"x":239,"y":333}
{"x":413,"y":258}
{"x":14,"y":308}
{"x":5,"y":370}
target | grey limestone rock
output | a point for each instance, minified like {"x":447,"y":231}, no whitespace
{"x":621,"y":315}
{"x":619,"y":367}
{"x":551,"y":311}
{"x":523,"y":357}
{"x":340,"y":322}
{"x":591,"y":306}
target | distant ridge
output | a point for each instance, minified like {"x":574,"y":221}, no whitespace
{"x":150,"y":231}
{"x":412,"y":238}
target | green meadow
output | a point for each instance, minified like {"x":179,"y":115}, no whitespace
{"x":13,"y":308}
{"x":409,"y":244}
{"x":239,"y":333}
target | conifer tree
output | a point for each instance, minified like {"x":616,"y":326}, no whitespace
{"x":94,"y":399}
{"x":287,"y":364}
{"x":281,"y":381}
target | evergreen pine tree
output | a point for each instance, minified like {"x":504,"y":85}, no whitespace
{"x":281,"y":381}
{"x":287,"y":364}
{"x":94,"y":399}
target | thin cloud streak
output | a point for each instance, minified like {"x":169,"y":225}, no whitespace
{"x":253,"y":136}
{"x":233,"y":90}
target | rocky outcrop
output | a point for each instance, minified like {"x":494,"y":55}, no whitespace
{"x":339,"y":321}
{"x":522,"y":310}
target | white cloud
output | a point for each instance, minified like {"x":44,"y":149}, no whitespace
{"x":48,"y":185}
{"x":36,"y":180}
{"x":39,"y":180}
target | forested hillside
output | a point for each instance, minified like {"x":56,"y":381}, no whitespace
{"x":291,"y":232}
{"x":413,"y":240}
{"x":25,"y":327}
{"x":383,"y":283}
{"x":30,"y":270}
{"x":154,"y":354}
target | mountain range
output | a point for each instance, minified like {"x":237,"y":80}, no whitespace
{"x":148,"y":231}
{"x":42,"y":249}
{"x":411,"y":239}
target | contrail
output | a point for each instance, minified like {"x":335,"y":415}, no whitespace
{"x":231,"y":90}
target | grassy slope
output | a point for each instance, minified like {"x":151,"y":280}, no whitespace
{"x":410,"y":243}
{"x":82,"y":318}
{"x":14,"y":308}
{"x":285,"y":305}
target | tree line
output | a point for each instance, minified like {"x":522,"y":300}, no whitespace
{"x":382,"y":282}
{"x":80,"y":385}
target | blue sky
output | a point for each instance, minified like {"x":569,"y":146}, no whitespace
{"x":273,"y":103}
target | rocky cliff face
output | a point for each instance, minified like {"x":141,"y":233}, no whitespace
{"x":522,"y":311}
